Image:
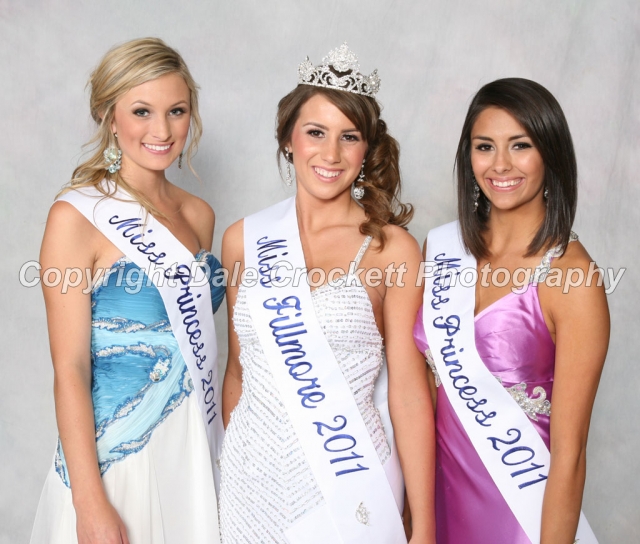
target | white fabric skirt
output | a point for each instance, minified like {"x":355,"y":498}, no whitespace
{"x":164,"y":493}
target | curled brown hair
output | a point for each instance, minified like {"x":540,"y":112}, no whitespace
{"x":381,"y":200}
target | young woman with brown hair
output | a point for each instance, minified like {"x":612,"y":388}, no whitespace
{"x":310,"y":452}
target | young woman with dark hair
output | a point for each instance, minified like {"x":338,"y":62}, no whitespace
{"x":516,"y":359}
{"x":542,"y":120}
{"x":310,"y":453}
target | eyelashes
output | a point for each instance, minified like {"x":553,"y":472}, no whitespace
{"x":143,"y":112}
{"x":516,"y":146}
{"x":315,"y":133}
{"x":483,"y":147}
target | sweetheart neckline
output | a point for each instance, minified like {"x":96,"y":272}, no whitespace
{"x":486,"y":308}
{"x":125,"y":259}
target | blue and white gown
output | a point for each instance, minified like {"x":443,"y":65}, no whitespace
{"x":151,"y":440}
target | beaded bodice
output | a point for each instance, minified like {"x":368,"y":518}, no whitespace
{"x":261,"y":454}
{"x":345,"y":314}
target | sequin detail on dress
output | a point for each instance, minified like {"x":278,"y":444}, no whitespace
{"x":542,"y":270}
{"x":362,"y":514}
{"x":267,"y":483}
{"x":532,"y":406}
{"x":432,"y":366}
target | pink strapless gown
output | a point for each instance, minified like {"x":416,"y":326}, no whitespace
{"x":514,"y":342}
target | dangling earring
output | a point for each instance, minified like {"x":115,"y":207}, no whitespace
{"x":288,"y":178}
{"x":113,"y":158}
{"x":476,"y":194}
{"x":180,"y":160}
{"x":358,"y":191}
{"x":546,"y":193}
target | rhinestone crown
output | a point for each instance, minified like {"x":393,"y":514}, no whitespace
{"x":339,"y":70}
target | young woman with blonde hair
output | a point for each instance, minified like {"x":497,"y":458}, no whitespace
{"x":133,"y":344}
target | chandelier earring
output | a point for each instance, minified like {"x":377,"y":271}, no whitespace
{"x":358,"y":191}
{"x":476,"y":194}
{"x":288,"y":178}
{"x":180,"y":160}
{"x":113,"y":158}
{"x":546,"y":193}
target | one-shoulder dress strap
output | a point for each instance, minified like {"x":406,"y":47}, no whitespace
{"x":543,"y":268}
{"x":361,"y":251}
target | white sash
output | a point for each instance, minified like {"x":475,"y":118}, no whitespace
{"x":508,"y":444}
{"x":182,"y":285}
{"x":360,"y":504}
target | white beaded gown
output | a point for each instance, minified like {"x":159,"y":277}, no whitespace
{"x":267,"y":483}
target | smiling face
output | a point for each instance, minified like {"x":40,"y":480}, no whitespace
{"x":152,"y":123}
{"x":506,"y":164}
{"x":327,"y":149}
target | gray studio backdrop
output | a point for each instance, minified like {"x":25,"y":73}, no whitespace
{"x":432,"y":57}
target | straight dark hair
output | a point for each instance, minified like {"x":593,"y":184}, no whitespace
{"x":539,"y":113}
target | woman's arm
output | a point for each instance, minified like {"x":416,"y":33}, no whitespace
{"x":409,"y":398}
{"x":69,"y":242}
{"x":579,"y":319}
{"x":433,"y":388}
{"x":232,"y":252}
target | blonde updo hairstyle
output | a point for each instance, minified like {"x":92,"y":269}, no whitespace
{"x":122,"y":68}
{"x":381,"y":200}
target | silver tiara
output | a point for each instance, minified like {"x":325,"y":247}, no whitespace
{"x":339,"y":70}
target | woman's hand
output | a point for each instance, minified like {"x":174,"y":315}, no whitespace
{"x":97,"y":522}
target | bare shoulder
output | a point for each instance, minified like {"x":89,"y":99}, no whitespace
{"x":66,"y":222}
{"x":233,"y":242}
{"x":65,"y":215}
{"x":574,"y":285}
{"x":575,"y":256}
{"x":235,"y":233}
{"x":69,"y":237}
{"x":199,"y":215}
{"x":400,"y":244}
{"x":196,"y":208}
